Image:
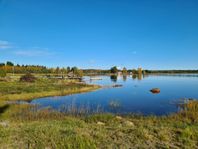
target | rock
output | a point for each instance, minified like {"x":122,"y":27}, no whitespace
{"x":117,"y":85}
{"x":129,"y":123}
{"x":155,"y":90}
{"x":4,"y":124}
{"x":118,"y":117}
{"x":101,"y":123}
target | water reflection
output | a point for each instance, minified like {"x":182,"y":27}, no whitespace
{"x":114,"y":78}
{"x":137,"y":76}
{"x":124,"y":78}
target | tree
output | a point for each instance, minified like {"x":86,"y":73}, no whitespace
{"x":79,"y":73}
{"x":2,"y":64}
{"x":114,"y":69}
{"x":64,"y":70}
{"x":9,"y":63}
{"x":68,"y":69}
{"x":124,"y":71}
{"x":74,"y":69}
{"x":134,"y":71}
{"x":139,"y":70}
{"x":57,"y":70}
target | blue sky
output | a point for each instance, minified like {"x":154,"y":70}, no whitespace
{"x":153,"y":34}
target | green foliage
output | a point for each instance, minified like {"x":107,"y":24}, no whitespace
{"x":74,"y":69}
{"x":8,"y":63}
{"x":68,"y":69}
{"x":134,"y":71}
{"x":96,"y":71}
{"x":124,"y":71}
{"x":114,"y":69}
{"x":2,"y":64}
{"x":77,"y":72}
{"x":2,"y":73}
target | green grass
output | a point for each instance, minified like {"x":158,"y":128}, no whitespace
{"x":51,"y":129}
{"x":15,"y":90}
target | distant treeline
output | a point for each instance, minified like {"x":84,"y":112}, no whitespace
{"x":170,"y":71}
{"x":10,"y":67}
{"x":135,"y":71}
{"x":96,"y":71}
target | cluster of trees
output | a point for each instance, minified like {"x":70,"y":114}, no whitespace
{"x":96,"y":71}
{"x":113,"y":70}
{"x":9,"y":67}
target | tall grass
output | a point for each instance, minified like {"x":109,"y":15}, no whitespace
{"x":31,"y":127}
{"x":15,"y":90}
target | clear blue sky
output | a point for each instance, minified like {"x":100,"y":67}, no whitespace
{"x":153,"y":34}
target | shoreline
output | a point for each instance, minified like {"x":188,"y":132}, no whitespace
{"x":39,"y":129}
{"x":31,"y":96}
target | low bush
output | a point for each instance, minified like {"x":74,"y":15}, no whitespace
{"x":2,"y":73}
{"x":28,"y":78}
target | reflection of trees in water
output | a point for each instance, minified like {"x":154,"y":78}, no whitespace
{"x":124,"y":77}
{"x":114,"y":78}
{"x":137,"y":76}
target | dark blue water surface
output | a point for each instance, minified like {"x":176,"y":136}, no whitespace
{"x":133,"y":97}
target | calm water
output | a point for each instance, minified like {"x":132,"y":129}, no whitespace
{"x":133,"y":97}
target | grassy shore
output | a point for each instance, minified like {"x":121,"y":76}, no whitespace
{"x":50,"y":129}
{"x":15,"y":90}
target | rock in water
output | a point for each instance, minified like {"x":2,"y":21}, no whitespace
{"x":117,"y":85}
{"x":155,"y":90}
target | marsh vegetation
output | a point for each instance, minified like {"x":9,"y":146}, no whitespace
{"x":28,"y":128}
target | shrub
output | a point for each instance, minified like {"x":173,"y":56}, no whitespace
{"x":2,"y":73}
{"x":28,"y":78}
{"x":114,"y":69}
